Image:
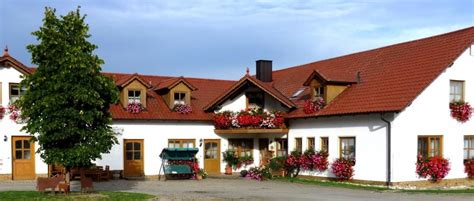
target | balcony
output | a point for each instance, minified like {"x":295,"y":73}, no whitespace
{"x":249,"y":121}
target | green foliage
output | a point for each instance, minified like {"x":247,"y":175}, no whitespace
{"x":67,"y":99}
{"x":230,"y":158}
{"x":103,"y":196}
{"x":277,"y":163}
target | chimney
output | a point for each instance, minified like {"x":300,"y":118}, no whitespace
{"x":264,"y":70}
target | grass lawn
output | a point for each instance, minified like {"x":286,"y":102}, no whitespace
{"x":369,"y":187}
{"x":33,"y":195}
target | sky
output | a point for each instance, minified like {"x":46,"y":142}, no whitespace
{"x":221,"y":38}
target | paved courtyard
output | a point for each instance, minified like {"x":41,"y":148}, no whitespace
{"x":241,"y":189}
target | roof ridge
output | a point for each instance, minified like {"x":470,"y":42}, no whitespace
{"x":378,"y":48}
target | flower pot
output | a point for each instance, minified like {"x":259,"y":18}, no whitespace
{"x":228,"y":170}
{"x":198,"y":177}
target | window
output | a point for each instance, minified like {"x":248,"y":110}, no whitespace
{"x":255,"y":100}
{"x":468,"y":147}
{"x":281,"y":147}
{"x":179,"y":98}
{"x":242,"y":147}
{"x":318,"y":92}
{"x":181,"y":143}
{"x":16,"y":92}
{"x":134,"y":96}
{"x":325,"y":144}
{"x":347,"y":147}
{"x":22,"y":149}
{"x":297,"y":93}
{"x":299,"y":145}
{"x":133,"y":150}
{"x":456,"y":92}
{"x":429,"y":146}
{"x":311,"y":143}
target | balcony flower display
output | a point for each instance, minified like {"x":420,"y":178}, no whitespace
{"x":433,"y":168}
{"x":461,"y":111}
{"x":250,"y":118}
{"x":343,"y":168}
{"x":182,"y":108}
{"x":2,"y":112}
{"x":311,"y":107}
{"x":134,"y":107}
{"x":469,"y":168}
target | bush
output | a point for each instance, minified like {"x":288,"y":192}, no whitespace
{"x":277,"y":163}
{"x":342,"y":169}
{"x":312,"y":160}
{"x":433,"y":168}
{"x":259,"y":174}
{"x":469,"y":168}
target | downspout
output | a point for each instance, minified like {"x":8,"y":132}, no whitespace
{"x":389,"y":150}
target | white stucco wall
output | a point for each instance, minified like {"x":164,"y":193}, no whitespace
{"x":370,"y":135}
{"x":9,"y":128}
{"x":240,"y":102}
{"x":429,"y":114}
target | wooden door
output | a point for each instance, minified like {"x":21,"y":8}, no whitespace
{"x":23,"y":156}
{"x":133,"y":158}
{"x":212,"y":156}
{"x":265,"y":155}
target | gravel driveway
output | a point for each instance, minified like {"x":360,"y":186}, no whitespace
{"x":241,"y":189}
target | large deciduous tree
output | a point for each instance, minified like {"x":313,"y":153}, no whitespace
{"x":67,"y":99}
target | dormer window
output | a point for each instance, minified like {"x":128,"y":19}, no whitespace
{"x":179,"y":98}
{"x":318,"y":92}
{"x":134,"y":96}
{"x":255,"y":100}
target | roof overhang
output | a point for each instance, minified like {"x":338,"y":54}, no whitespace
{"x":243,"y":83}
{"x":9,"y":61}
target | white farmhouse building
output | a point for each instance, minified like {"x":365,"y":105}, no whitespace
{"x":384,"y":106}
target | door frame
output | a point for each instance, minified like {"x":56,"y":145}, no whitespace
{"x":142,"y":150}
{"x":33,"y":154}
{"x":218,"y":152}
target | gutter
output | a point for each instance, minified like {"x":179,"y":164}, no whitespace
{"x":389,"y":149}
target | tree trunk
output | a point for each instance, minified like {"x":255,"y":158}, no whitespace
{"x":68,"y":175}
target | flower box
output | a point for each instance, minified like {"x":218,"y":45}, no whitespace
{"x":249,"y":119}
{"x":311,"y":107}
{"x":461,"y":111}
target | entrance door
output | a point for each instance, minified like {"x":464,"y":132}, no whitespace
{"x":212,"y":159}
{"x":23,"y":156}
{"x":265,"y":155}
{"x":133,"y":158}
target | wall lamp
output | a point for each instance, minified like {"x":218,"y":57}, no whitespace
{"x":5,"y":138}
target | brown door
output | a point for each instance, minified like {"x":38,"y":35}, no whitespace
{"x":265,"y":155}
{"x":133,"y":158}
{"x":23,"y":155}
{"x":212,"y":156}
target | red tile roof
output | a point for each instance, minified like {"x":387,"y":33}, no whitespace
{"x":391,"y":78}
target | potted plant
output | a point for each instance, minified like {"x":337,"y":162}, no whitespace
{"x":201,"y":174}
{"x":231,"y":159}
{"x":277,"y":166}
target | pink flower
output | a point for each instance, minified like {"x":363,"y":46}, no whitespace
{"x":342,"y":169}
{"x":433,"y":168}
{"x":134,"y":107}
{"x":182,"y":108}
{"x":461,"y":111}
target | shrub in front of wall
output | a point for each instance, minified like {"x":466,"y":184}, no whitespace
{"x":343,"y":168}
{"x":469,"y":168}
{"x":314,"y":161}
{"x":433,"y":168}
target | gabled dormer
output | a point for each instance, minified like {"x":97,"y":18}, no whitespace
{"x":133,"y":89}
{"x":322,"y":87}
{"x":176,"y":91}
